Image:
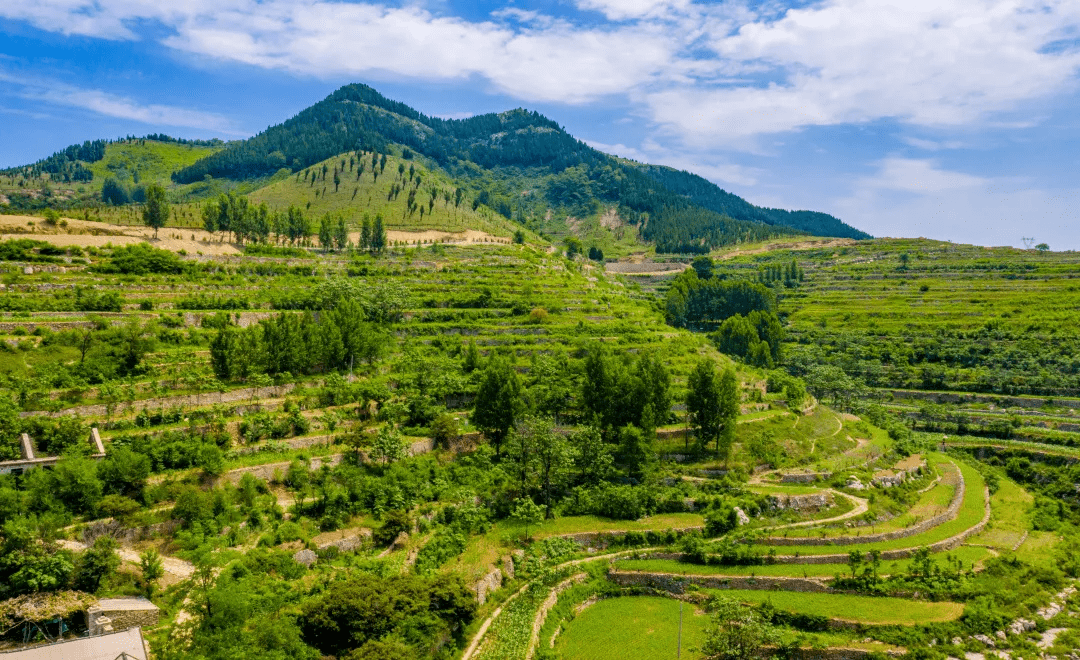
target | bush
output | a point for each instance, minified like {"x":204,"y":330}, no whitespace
{"x":620,"y":503}
{"x":141,"y":259}
{"x":394,"y":523}
{"x":444,"y":546}
{"x":721,"y":521}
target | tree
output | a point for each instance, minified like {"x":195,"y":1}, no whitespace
{"x":123,"y":472}
{"x":444,"y":429}
{"x":637,"y":452}
{"x":703,"y":402}
{"x":855,"y":560}
{"x":113,"y":192}
{"x":736,"y":632}
{"x":365,"y":233}
{"x":592,"y":456}
{"x":1042,"y":247}
{"x":97,"y":564}
{"x":341,"y":234}
{"x":378,"y":234}
{"x":703,"y":265}
{"x":326,"y":232}
{"x":729,"y":412}
{"x":499,"y":402}
{"x":546,"y":454}
{"x":471,"y":360}
{"x":156,"y":210}
{"x":152,"y":570}
{"x":527,"y":512}
{"x":388,"y":446}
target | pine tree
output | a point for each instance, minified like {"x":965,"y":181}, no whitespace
{"x":341,"y":234}
{"x":365,"y":233}
{"x":378,"y":234}
{"x":156,"y":210}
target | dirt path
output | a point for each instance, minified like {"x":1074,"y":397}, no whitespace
{"x":861,"y":507}
{"x":174,"y":566}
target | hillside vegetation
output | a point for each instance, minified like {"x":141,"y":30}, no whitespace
{"x":518,"y":165}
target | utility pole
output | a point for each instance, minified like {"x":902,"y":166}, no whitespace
{"x":678,"y":653}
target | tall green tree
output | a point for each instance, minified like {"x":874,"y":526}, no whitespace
{"x":499,"y":401}
{"x":156,"y":209}
{"x":542,"y":457}
{"x":365,"y":233}
{"x":341,"y":234}
{"x":729,"y":412}
{"x":713,"y":405}
{"x":637,"y":451}
{"x":736,"y":631}
{"x":592,"y":456}
{"x":326,"y":232}
{"x":97,"y":564}
{"x":378,"y":234}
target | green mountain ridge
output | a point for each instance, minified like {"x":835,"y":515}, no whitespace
{"x":357,"y":117}
{"x":518,"y":164}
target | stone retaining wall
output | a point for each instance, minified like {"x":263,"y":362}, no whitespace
{"x":807,"y":502}
{"x":601,"y":540}
{"x":950,"y":543}
{"x":204,"y":399}
{"x":126,"y":535}
{"x":804,"y":477}
{"x":266,"y":471}
{"x":676,"y":583}
{"x":950,"y":514}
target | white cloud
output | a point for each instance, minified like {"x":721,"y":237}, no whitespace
{"x":111,"y":105}
{"x":621,"y":10}
{"x":545,"y":60}
{"x":708,"y":166}
{"x":714,"y":74}
{"x":908,"y":197}
{"x":923,"y":62}
{"x":917,"y":176}
{"x":933,"y":145}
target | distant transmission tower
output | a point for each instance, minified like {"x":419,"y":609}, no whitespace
{"x":1028,"y":242}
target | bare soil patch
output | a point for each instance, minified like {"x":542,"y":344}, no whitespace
{"x":87,"y":233}
{"x":435,"y":236}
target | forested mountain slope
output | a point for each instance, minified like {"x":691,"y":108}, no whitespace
{"x":518,"y":164}
{"x":676,"y":210}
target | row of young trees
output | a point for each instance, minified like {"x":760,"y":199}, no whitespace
{"x":234,"y":214}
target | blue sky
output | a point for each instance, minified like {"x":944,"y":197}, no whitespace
{"x":950,"y":119}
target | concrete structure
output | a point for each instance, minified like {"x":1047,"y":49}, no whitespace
{"x":112,"y":614}
{"x":127,"y":644}
{"x":29,"y":459}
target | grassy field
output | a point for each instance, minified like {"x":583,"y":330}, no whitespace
{"x":637,"y":628}
{"x":371,"y":195}
{"x":858,"y":609}
{"x":152,"y":162}
{"x":971,"y":512}
{"x":970,"y":555}
{"x":1009,"y":518}
{"x":482,"y":550}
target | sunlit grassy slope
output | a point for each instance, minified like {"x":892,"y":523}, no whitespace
{"x":373,"y":193}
